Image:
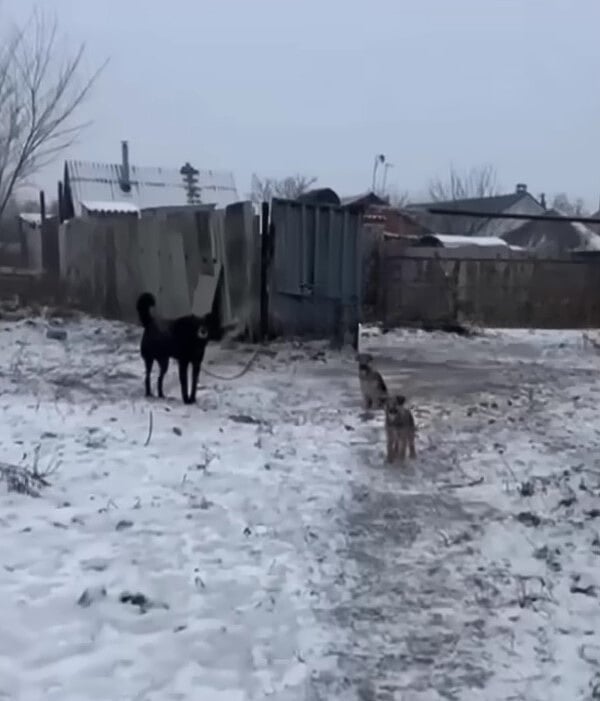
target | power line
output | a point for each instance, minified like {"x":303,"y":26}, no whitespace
{"x":508,"y":215}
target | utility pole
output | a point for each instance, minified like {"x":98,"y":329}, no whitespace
{"x":386,"y":167}
{"x":379,"y":158}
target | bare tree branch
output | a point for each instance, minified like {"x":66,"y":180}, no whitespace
{"x":398,"y":198}
{"x":261,"y":189}
{"x":264,"y":189}
{"x":478,"y":182}
{"x":574,"y":208}
{"x":40,"y":92}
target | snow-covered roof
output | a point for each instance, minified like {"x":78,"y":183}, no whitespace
{"x":110,"y":207}
{"x":450,"y":241}
{"x":589,"y":240}
{"x":31,"y":218}
{"x":149,"y":186}
{"x":554,"y":236}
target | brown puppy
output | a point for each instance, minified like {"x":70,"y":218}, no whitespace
{"x":400,"y":429}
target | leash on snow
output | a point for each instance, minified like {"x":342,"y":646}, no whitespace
{"x":241,"y":373}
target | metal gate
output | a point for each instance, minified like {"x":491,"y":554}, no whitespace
{"x":315,"y":277}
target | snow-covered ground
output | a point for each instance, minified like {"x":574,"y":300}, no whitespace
{"x":255,"y":546}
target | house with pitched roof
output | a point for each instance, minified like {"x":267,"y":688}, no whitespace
{"x":521,"y":201}
{"x":595,"y":227}
{"x":122,"y":188}
{"x":553,"y":238}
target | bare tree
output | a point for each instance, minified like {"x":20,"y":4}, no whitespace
{"x":480,"y":181}
{"x":573,"y":208}
{"x":397,"y":198}
{"x":40,"y":91}
{"x":264,"y":189}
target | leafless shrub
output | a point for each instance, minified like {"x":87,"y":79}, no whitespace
{"x":25,"y":480}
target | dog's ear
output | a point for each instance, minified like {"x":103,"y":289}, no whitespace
{"x":393,"y":402}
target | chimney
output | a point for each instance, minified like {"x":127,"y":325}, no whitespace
{"x":521,"y":187}
{"x":543,"y":200}
{"x":125,"y":182}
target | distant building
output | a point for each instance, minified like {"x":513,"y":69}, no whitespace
{"x":124,"y":188}
{"x":363,"y":201}
{"x":327,"y":196}
{"x":450,"y":241}
{"x":554,"y":237}
{"x":519,"y":202}
{"x":321,"y":195}
{"x":595,"y":227}
{"x":460,"y":243}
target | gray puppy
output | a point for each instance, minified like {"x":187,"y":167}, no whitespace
{"x":372,"y":386}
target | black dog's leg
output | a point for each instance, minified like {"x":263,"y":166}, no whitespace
{"x":148,"y":362}
{"x":183,"y":380}
{"x":195,"y":375}
{"x":163,"y":364}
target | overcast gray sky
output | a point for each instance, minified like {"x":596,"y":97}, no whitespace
{"x":320,"y":86}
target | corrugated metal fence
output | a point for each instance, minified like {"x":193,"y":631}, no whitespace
{"x":315,"y":277}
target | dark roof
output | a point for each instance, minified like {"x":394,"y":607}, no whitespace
{"x":320,"y":195}
{"x":492,"y":205}
{"x":465,"y":224}
{"x":365,"y":199}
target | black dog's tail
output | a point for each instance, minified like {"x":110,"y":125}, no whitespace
{"x":144,"y":304}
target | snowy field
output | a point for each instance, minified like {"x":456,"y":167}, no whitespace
{"x":256,"y":546}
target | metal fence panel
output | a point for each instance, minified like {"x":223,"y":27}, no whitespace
{"x":315,"y":283}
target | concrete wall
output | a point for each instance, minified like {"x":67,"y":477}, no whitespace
{"x":421,"y":286}
{"x":179,"y":256}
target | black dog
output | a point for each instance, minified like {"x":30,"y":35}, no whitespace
{"x":184,"y":339}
